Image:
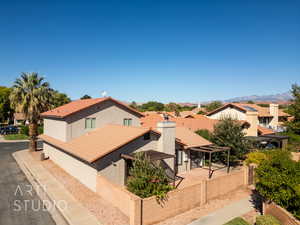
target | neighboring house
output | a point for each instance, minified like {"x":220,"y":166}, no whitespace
{"x":201,"y":123}
{"x":19,"y":119}
{"x":268,"y":117}
{"x":96,"y":136}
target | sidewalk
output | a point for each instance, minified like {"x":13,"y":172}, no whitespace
{"x":226,"y":214}
{"x":71,"y":212}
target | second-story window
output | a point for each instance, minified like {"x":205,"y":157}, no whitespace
{"x":127,"y":122}
{"x":90,"y":123}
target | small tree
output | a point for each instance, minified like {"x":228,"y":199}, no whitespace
{"x":229,"y":133}
{"x":59,"y":99}
{"x":147,"y":180}
{"x":294,"y":110}
{"x":205,"y":134}
{"x":6,"y":111}
{"x":213,"y":105}
{"x":86,"y":97}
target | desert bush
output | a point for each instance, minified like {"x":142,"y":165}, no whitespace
{"x":24,"y":130}
{"x":278,"y":180}
{"x":237,"y":221}
{"x":267,"y":220}
{"x":147,"y":180}
{"x":255,"y":157}
{"x":204,"y":133}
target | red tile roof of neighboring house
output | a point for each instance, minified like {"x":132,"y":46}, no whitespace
{"x":189,"y":138}
{"x":264,"y":131}
{"x":19,"y":116}
{"x":189,"y":123}
{"x":81,"y":104}
{"x":262,"y":111}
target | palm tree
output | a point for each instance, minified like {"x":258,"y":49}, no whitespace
{"x":31,"y":96}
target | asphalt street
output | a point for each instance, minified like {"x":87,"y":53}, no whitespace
{"x":19,"y":203}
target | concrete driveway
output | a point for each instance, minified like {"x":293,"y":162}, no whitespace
{"x":19,"y":204}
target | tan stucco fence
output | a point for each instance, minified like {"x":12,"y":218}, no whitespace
{"x":149,"y":211}
{"x":281,"y":214}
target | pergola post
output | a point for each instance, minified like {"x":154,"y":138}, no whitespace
{"x":209,"y":171}
{"x":228,"y":160}
{"x":174,"y":160}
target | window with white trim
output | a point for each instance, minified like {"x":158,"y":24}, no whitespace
{"x":127,"y":122}
{"x":90,"y":123}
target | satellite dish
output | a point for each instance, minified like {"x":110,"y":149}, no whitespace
{"x":104,"y":94}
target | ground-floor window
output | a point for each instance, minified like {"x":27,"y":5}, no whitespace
{"x":179,"y":155}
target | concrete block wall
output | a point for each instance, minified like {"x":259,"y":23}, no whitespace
{"x":178,"y":201}
{"x":148,"y":211}
{"x":219,"y":186}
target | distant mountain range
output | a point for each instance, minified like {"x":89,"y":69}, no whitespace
{"x":283,"y":97}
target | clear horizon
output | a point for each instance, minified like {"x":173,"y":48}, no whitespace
{"x":168,"y":51}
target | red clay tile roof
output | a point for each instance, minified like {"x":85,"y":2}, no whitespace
{"x":102,"y":141}
{"x":262,"y":111}
{"x":81,"y":104}
{"x":19,"y":116}
{"x":190,"y":139}
{"x":189,"y":123}
{"x":98,"y":143}
{"x":264,"y":131}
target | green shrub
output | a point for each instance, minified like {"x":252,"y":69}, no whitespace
{"x":40,"y":130}
{"x":237,"y":221}
{"x":204,"y":133}
{"x":255,"y":157}
{"x":147,"y":180}
{"x":267,"y":220}
{"x":24,"y":130}
{"x":278,"y":179}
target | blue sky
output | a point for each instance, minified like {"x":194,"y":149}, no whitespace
{"x":153,"y":50}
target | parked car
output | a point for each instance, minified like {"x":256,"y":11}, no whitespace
{"x":9,"y":130}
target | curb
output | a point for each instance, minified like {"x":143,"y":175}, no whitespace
{"x":49,"y":189}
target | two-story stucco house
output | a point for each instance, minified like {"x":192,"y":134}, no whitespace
{"x":94,"y":137}
{"x":260,"y":118}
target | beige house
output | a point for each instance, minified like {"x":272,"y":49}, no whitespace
{"x":261,"y":119}
{"x":93,"y":137}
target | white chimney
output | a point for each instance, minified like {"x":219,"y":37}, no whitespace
{"x":252,"y":119}
{"x":166,"y":142}
{"x":274,"y":113}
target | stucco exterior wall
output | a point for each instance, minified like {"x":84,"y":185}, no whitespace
{"x":222,"y":185}
{"x":105,"y":113}
{"x":81,"y":171}
{"x":56,"y":128}
{"x":112,"y":166}
{"x":229,"y":112}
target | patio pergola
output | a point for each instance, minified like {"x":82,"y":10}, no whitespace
{"x":210,"y":149}
{"x":155,"y":156}
{"x":280,"y":140}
